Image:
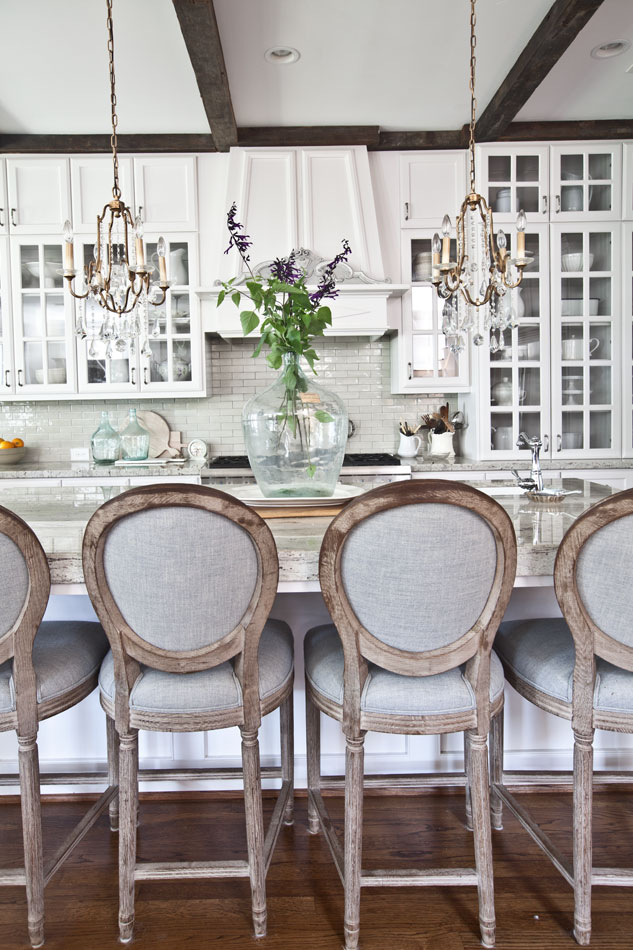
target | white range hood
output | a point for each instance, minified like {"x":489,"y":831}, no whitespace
{"x":308,"y":200}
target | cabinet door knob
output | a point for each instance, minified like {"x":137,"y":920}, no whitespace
{"x":406,"y":211}
{"x":20,"y":379}
{"x":545,"y":203}
{"x":545,"y":442}
{"x":7,"y":378}
{"x":557,"y":204}
{"x":13,"y":221}
{"x":559,"y":443}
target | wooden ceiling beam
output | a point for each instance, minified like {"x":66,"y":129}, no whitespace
{"x":568,"y":131}
{"x":309,"y":135}
{"x":396,"y":141}
{"x":73,"y":144}
{"x":557,"y":31}
{"x":202,"y":38}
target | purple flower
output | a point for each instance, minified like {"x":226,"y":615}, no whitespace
{"x":238,"y":239}
{"x":283,"y":269}
{"x":327,"y":284}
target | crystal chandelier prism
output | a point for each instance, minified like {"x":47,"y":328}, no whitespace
{"x":115,"y":288}
{"x":474,"y":285}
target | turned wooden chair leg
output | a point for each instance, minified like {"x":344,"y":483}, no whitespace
{"x":128,"y":795}
{"x":496,"y":769}
{"x":32,"y":835}
{"x":354,"y":772}
{"x":478,"y":762}
{"x":113,"y":770}
{"x":468,"y":797}
{"x":583,"y":859}
{"x":286,"y":724}
{"x":313,"y":741}
{"x":254,"y":829}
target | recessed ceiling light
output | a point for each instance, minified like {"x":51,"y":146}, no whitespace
{"x":607,"y":50}
{"x":282,"y":54}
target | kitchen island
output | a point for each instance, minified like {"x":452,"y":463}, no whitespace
{"x":59,"y":514}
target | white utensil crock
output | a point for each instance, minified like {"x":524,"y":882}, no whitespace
{"x":441,"y":444}
{"x":409,"y":445}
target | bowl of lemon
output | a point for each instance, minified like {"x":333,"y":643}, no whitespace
{"x":11,"y":451}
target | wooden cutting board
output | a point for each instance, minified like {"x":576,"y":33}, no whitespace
{"x":159,"y":434}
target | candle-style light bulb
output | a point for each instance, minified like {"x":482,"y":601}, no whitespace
{"x":521,"y":226}
{"x":436,"y":249}
{"x":69,"y":252}
{"x":446,"y":239}
{"x":502,"y":243}
{"x":161,"y":250}
{"x":140,"y":248}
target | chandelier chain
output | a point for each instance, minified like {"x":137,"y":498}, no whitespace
{"x":116,"y":191}
{"x":473,"y":100}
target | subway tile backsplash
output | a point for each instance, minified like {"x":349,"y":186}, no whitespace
{"x":358,"y":370}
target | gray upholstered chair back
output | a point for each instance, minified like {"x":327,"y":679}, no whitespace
{"x":182,"y":577}
{"x":14,"y":583}
{"x":604,"y":578}
{"x":419,"y":576}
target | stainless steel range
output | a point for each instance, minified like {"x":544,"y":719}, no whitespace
{"x":357,"y":467}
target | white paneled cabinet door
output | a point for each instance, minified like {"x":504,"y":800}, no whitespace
{"x":7,"y":370}
{"x":515,"y":179}
{"x":91,"y":181}
{"x":586,"y":340}
{"x":175,"y":339}
{"x":432,"y":184}
{"x":42,"y":319}
{"x":39,"y":195}
{"x":166,"y":193}
{"x":514,"y":393}
{"x":586,"y":182}
{"x":4,"y":201}
{"x":627,"y":189}
{"x":627,"y":348}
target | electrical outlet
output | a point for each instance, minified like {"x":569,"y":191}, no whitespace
{"x":80,"y":455}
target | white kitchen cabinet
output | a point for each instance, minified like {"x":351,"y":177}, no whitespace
{"x":38,"y":195}
{"x":4,"y":200}
{"x":176,"y":363}
{"x":627,"y":181}
{"x":514,"y":178}
{"x":91,"y":181}
{"x":165,"y":190}
{"x":420,"y":359}
{"x":7,"y":365}
{"x":627,"y":338}
{"x":42,"y":316}
{"x":432,"y":184}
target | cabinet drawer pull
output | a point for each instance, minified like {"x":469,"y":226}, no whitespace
{"x":559,"y":443}
{"x":1,"y":221}
{"x":145,"y":379}
{"x":7,"y":378}
{"x":545,"y":203}
{"x":557,"y":204}
{"x":13,"y":221}
{"x":406,"y":211}
{"x":20,"y":380}
{"x":409,"y":369}
{"x":133,"y":375}
{"x":545,"y":442}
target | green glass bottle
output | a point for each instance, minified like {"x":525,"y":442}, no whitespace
{"x":134,"y":440}
{"x":105,"y":443}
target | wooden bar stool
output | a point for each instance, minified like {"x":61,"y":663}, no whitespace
{"x":396,"y":660}
{"x":579,"y":667}
{"x":45,"y":668}
{"x":183,"y":579}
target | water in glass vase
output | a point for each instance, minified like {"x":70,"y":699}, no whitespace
{"x":295,"y":433}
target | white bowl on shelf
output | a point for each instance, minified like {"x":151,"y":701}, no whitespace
{"x":573,"y":261}
{"x":51,"y":271}
{"x":55,"y":375}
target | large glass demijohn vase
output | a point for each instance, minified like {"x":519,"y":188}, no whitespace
{"x":295,"y":433}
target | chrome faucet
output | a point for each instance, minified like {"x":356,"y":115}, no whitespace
{"x":535,"y":482}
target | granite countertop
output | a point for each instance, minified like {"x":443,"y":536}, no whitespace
{"x":420,"y":464}
{"x":58,"y":516}
{"x":90,"y":470}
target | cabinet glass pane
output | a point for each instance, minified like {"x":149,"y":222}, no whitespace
{"x":180,"y":316}
{"x":530,"y":423}
{"x":33,"y":364}
{"x":55,"y":317}
{"x":572,"y":341}
{"x":530,"y":386}
{"x":53,"y":266}
{"x":159,"y":363}
{"x":448,"y":363}
{"x":56,"y":362}
{"x":101,"y":371}
{"x":528,"y":167}
{"x":600,"y":341}
{"x":571,"y":302}
{"x":422,"y":307}
{"x":423,"y":354}
{"x":177,"y":262}
{"x":572,"y":198}
{"x":600,"y":198}
{"x":600,"y":166}
{"x":527,"y":198}
{"x":158,"y":321}
{"x":499,"y":199}
{"x":600,"y":251}
{"x":30,"y":266}
{"x":600,"y":430}
{"x":571,"y":167}
{"x":573,"y":386}
{"x":501,"y":386}
{"x":32,"y":316}
{"x":181,"y":361}
{"x":600,"y":386}
{"x":528,"y":343}
{"x":572,"y":435}
{"x":501,"y":435}
{"x":528,"y":305}
{"x":499,"y":168}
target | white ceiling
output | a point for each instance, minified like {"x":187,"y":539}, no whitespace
{"x":402,"y":64}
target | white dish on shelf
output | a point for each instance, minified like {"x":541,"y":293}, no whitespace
{"x":573,"y":260}
{"x":51,"y":271}
{"x":252,"y":495}
{"x":55,"y":375}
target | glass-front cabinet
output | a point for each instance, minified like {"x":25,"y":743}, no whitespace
{"x":172,"y":363}
{"x":512,"y":180}
{"x":421,"y":360}
{"x":586,"y":182}
{"x":514,"y":393}
{"x":7,"y":374}
{"x":627,"y":348}
{"x":42,"y":319}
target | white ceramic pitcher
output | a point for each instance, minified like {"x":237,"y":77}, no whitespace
{"x":441,"y":444}
{"x":409,"y":445}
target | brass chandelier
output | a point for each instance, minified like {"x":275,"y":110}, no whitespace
{"x":117,"y":279}
{"x":475,"y":286}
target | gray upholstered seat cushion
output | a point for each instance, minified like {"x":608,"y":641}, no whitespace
{"x":208,"y":690}
{"x":65,"y":655}
{"x":542,"y":654}
{"x":390,"y":693}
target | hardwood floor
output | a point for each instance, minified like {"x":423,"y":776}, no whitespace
{"x":305,"y":903}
